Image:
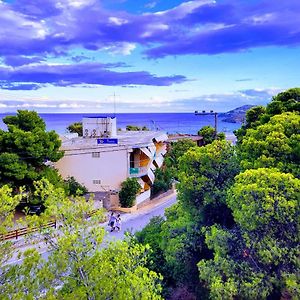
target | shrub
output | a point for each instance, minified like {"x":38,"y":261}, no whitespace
{"x":74,"y":188}
{"x":129,"y":189}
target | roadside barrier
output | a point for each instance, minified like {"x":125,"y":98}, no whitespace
{"x":15,"y":234}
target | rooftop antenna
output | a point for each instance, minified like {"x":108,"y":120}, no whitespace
{"x":114,"y":104}
{"x":114,"y":99}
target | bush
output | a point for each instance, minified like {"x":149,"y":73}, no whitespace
{"x":162,"y":182}
{"x":129,"y":189}
{"x":74,"y":188}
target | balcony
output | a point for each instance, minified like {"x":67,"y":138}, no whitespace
{"x":138,"y":172}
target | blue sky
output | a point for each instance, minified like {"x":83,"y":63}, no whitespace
{"x":154,"y":55}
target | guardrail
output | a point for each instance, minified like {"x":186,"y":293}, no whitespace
{"x":25,"y":230}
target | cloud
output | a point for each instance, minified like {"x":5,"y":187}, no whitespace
{"x":218,"y":102}
{"x":151,"y":4}
{"x":234,"y":26}
{"x":43,"y":27}
{"x":261,"y":93}
{"x":35,"y":76}
{"x":15,"y":61}
{"x":18,"y":86}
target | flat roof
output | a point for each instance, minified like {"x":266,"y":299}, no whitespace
{"x":133,"y":139}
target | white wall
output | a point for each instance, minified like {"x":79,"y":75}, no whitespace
{"x":111,"y":168}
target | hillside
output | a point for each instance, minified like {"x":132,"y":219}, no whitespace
{"x":236,"y":115}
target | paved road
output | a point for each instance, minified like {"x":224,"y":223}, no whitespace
{"x":130,"y":222}
{"x":137,"y":221}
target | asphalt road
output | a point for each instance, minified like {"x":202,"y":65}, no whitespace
{"x":130,"y":222}
{"x":137,"y":221}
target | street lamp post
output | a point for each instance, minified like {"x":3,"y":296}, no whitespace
{"x":204,"y":113}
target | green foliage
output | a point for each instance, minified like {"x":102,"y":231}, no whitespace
{"x":205,"y":175}
{"x":273,"y":144}
{"x":78,"y":266}
{"x":163,"y":181}
{"x":262,"y":196}
{"x":259,"y":257}
{"x":7,"y":209}
{"x":129,"y":189}
{"x":25,"y":147}
{"x":221,"y":136}
{"x":208,"y":133}
{"x":26,"y":121}
{"x":76,"y":128}
{"x":151,"y":235}
{"x":136,"y":128}
{"x":177,"y":149}
{"x":74,"y":188}
{"x":179,"y":233}
{"x":287,"y":101}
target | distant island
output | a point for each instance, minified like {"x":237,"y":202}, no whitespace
{"x":236,"y":115}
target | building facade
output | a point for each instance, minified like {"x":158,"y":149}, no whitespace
{"x":103,"y":158}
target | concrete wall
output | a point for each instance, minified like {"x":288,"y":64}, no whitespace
{"x":110,"y":168}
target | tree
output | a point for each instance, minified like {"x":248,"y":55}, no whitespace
{"x":208,"y":134}
{"x":79,"y":266}
{"x":258,"y":258}
{"x":205,"y":175}
{"x":7,"y":209}
{"x":76,"y":128}
{"x":163,"y":181}
{"x":136,"y":128}
{"x":151,"y":235}
{"x":25,"y":148}
{"x":74,"y":188}
{"x":273,"y":144}
{"x":129,"y":189}
{"x":287,"y":101}
{"x":176,"y":150}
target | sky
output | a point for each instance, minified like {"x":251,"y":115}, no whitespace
{"x":105,"y":56}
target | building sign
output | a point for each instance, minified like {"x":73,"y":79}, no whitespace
{"x":107,"y":141}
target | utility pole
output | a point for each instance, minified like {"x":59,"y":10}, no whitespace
{"x":204,"y":113}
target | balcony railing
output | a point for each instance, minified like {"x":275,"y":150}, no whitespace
{"x":137,"y":172}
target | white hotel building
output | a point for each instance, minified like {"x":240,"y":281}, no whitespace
{"x":103,"y":158}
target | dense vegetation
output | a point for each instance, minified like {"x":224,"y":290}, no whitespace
{"x":136,"y":128}
{"x":129,"y":190}
{"x":234,"y":232}
{"x":77,"y":266}
{"x":26,"y":152}
{"x":76,"y":128}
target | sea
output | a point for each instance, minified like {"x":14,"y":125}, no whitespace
{"x":171,"y":123}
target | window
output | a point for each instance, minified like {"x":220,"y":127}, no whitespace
{"x":96,"y":181}
{"x":96,"y":154}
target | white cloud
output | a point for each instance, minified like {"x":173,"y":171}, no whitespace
{"x":154,"y":28}
{"x":70,"y":105}
{"x":184,"y":8}
{"x":117,"y":21}
{"x":121,"y":48}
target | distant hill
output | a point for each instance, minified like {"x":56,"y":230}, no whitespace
{"x":236,"y":115}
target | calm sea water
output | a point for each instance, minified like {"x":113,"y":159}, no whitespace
{"x":168,"y":122}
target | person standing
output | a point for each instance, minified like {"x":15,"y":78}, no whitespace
{"x":118,"y":222}
{"x":112,"y":221}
